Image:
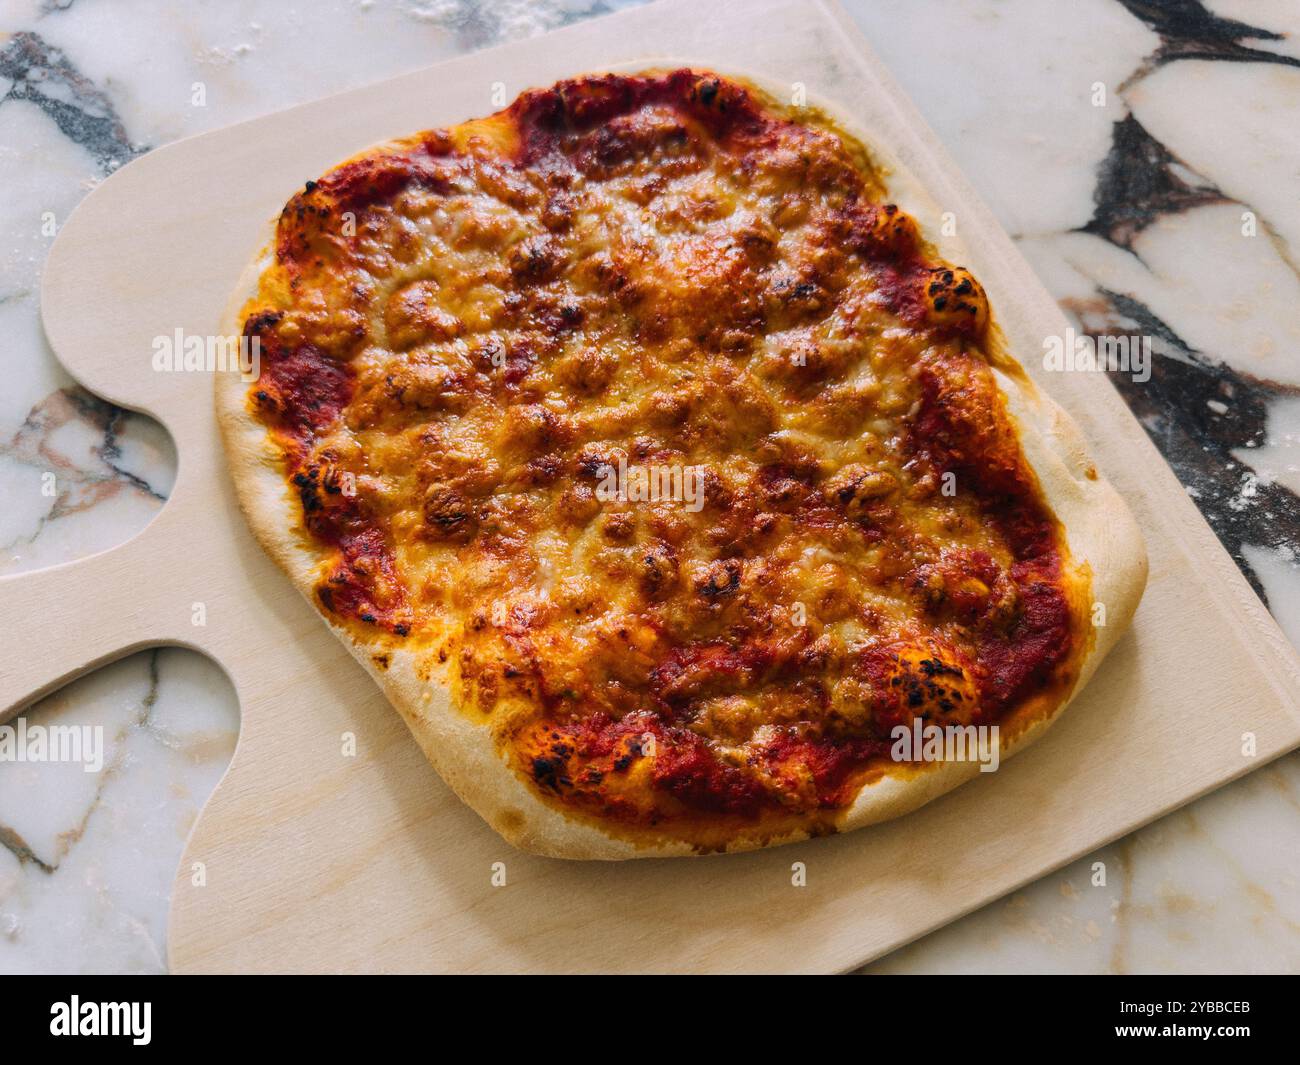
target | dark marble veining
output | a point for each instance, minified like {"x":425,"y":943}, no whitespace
{"x":42,"y":75}
{"x":1138,"y":181}
{"x":1196,"y":438}
{"x":1189,"y":31}
{"x":1196,"y":408}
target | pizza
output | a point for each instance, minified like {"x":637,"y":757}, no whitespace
{"x":663,"y":473}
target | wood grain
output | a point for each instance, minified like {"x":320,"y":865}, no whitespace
{"x":313,"y":860}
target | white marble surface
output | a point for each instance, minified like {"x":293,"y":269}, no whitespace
{"x":1131,"y":211}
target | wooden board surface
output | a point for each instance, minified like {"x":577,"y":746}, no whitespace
{"x":312,"y":860}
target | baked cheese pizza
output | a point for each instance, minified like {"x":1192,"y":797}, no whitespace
{"x":678,"y":492}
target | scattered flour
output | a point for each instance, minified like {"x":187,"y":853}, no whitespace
{"x":505,"y":20}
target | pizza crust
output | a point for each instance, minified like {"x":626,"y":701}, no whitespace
{"x":1100,"y":530}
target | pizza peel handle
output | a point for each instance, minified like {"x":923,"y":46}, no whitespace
{"x":66,"y":620}
{"x":119,"y":286}
{"x":117,"y":290}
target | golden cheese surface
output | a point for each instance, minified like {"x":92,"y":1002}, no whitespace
{"x":637,"y":407}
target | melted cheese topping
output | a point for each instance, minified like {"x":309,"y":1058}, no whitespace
{"x":639,"y":410}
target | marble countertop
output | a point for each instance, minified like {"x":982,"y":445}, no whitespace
{"x":1144,"y":155}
